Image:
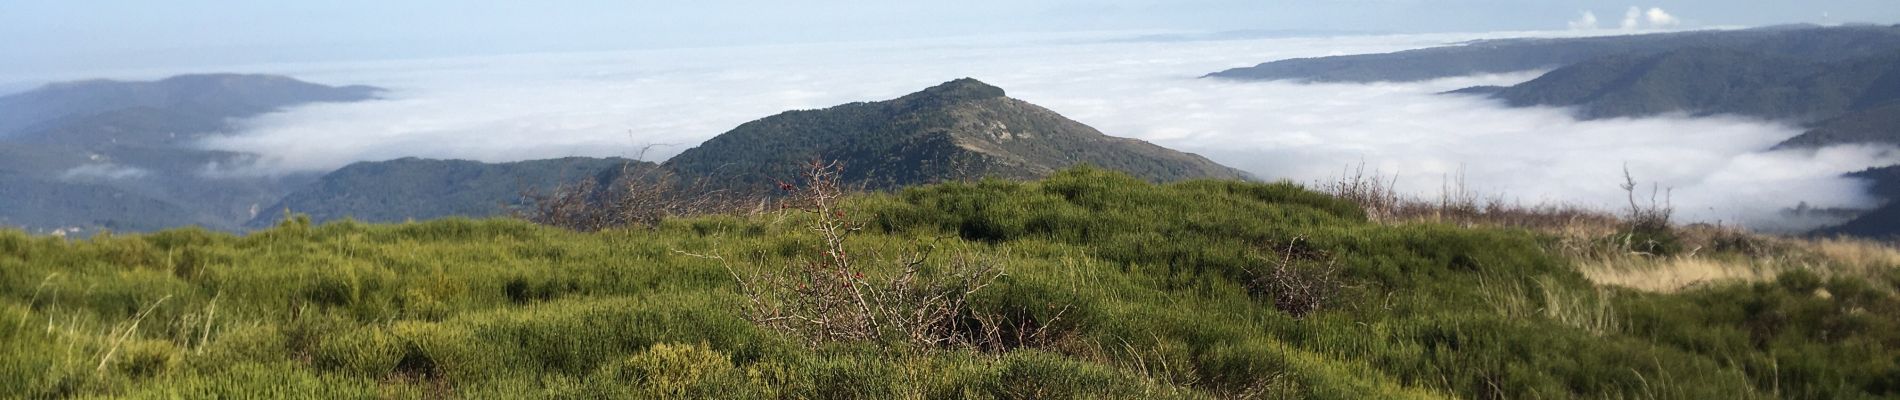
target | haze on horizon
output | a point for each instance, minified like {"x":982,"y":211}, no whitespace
{"x":63,"y":36}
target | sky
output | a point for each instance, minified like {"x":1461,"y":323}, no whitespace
{"x":46,"y":36}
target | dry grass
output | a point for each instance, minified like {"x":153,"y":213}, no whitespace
{"x":1457,"y":204}
{"x":1856,"y":254}
{"x":1670,"y":274}
{"x":1608,"y":246}
{"x":1776,"y":255}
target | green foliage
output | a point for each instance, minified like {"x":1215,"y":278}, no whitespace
{"x":1144,"y":288}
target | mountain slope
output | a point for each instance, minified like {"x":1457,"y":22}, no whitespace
{"x":1878,"y":125}
{"x":1700,"y":81}
{"x":1844,"y":101}
{"x":960,"y":129}
{"x":1883,"y":222}
{"x":57,"y":205}
{"x":414,"y":188}
{"x":1811,"y":43}
{"x":76,"y":147}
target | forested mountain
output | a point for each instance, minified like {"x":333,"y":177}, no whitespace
{"x":1812,"y":43}
{"x":184,"y":96}
{"x":1843,"y":101}
{"x":414,"y":188}
{"x":957,"y":130}
{"x":121,"y":155}
{"x":1872,"y":123}
{"x":1707,"y":81}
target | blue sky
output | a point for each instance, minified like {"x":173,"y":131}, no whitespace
{"x":56,"y":35}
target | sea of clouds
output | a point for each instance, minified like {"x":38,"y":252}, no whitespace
{"x":656,"y":103}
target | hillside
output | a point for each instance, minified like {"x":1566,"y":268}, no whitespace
{"x":958,"y":130}
{"x":1812,"y":43}
{"x":1843,"y":102}
{"x":1883,"y":222}
{"x":1706,"y":81}
{"x":1088,"y":284}
{"x":54,"y":203}
{"x":1877,"y":124}
{"x":419,"y":189}
{"x":122,"y":155}
{"x":228,"y":95}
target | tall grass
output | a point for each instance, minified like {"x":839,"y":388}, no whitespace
{"x":1143,"y":288}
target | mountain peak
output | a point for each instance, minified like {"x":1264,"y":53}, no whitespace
{"x":962,"y":129}
{"x":228,"y":77}
{"x":965,"y":89}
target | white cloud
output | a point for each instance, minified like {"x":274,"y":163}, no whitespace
{"x":1660,"y":19}
{"x":1636,"y":18}
{"x":1587,"y":21}
{"x":613,"y":104}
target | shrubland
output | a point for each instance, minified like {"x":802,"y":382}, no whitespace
{"x":1087,"y":284}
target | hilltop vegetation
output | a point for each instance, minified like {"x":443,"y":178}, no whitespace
{"x":1110,"y":287}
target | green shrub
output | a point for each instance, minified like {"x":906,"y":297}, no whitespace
{"x":146,"y":358}
{"x":367,"y":352}
{"x":674,"y":371}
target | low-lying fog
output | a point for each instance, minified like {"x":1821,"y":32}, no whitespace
{"x":615,"y":104}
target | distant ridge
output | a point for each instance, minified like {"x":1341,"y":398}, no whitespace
{"x":1806,"y":42}
{"x":225,"y":95}
{"x":1841,"y":102}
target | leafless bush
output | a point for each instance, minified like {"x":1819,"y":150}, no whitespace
{"x":1377,"y":196}
{"x":1300,"y":281}
{"x":1652,"y":216}
{"x":829,"y":298}
{"x":640,"y":196}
